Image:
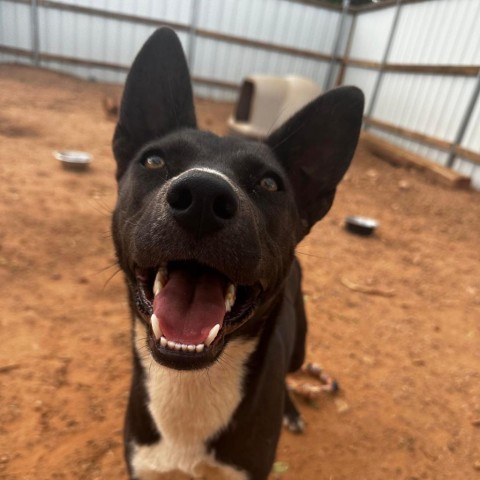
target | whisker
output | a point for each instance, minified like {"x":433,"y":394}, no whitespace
{"x":307,"y":254}
{"x":110,"y":278}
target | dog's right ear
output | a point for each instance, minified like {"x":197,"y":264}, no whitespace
{"x":157,"y":98}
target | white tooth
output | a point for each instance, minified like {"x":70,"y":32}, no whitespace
{"x":230,"y":297}
{"x":157,"y":286}
{"x":212,"y":335}
{"x":163,"y":341}
{"x":200,"y":347}
{"x":184,"y":347}
{"x":191,"y":348}
{"x":178,"y":346}
{"x":171,"y":344}
{"x":160,"y":280}
{"x":155,"y":326}
{"x":231,"y":290}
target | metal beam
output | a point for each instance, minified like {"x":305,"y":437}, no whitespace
{"x":35,"y":32}
{"x":379,"y":79}
{"x":341,"y":24}
{"x":464,"y":123}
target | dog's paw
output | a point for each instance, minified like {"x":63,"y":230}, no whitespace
{"x":294,"y":423}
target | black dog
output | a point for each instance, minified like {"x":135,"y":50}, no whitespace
{"x":205,"y":230}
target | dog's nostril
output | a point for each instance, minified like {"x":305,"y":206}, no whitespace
{"x":224,"y":207}
{"x":179,"y":198}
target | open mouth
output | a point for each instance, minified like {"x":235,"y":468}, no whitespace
{"x":191,"y":308}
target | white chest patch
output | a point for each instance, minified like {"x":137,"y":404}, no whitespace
{"x":189,"y":408}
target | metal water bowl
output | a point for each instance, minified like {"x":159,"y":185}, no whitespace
{"x":73,"y":160}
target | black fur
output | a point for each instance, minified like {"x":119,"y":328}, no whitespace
{"x":250,"y":237}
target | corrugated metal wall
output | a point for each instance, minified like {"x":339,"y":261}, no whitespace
{"x":436,"y":32}
{"x":272,"y":21}
{"x":280,"y":22}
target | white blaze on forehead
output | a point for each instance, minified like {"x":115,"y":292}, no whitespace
{"x":211,"y":171}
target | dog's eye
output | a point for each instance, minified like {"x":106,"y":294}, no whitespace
{"x":153,"y":162}
{"x":269,"y":184}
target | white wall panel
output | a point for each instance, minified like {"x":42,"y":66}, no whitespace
{"x":438,"y":32}
{"x":218,"y":94}
{"x":430,"y":32}
{"x":371,"y":34}
{"x":471,"y":140}
{"x":7,"y":58}
{"x":87,"y":37}
{"x":277,"y":21}
{"x":432,"y":153}
{"x":15,"y":27}
{"x":169,"y":10}
{"x":430,"y":104}
{"x":363,"y":79}
{"x":232,"y":63}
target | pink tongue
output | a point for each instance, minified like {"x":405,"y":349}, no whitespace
{"x":189,"y":305}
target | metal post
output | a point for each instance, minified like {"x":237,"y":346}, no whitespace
{"x":378,"y":81}
{"x":464,"y":124}
{"x":192,"y":33}
{"x":346,"y":53}
{"x":329,"y":79}
{"x":35,"y":32}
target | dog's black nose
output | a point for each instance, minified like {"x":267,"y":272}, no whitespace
{"x":202,"y":202}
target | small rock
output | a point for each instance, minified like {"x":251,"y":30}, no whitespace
{"x":472,"y":291}
{"x":476,"y":465}
{"x":368,"y":360}
{"x":342,"y":405}
{"x":404,"y":185}
{"x":372,"y":173}
{"x":4,"y":459}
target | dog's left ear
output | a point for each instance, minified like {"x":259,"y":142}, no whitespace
{"x":157,"y":98}
{"x":316,"y":146}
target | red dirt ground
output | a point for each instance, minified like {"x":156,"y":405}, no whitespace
{"x":406,"y":353}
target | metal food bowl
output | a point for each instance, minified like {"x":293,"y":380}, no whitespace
{"x":73,"y":160}
{"x":361,"y":225}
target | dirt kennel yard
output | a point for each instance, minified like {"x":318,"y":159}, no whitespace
{"x":395,"y":317}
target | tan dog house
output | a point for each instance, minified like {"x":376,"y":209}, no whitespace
{"x":266,"y":101}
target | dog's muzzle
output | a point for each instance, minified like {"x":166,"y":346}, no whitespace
{"x":190,"y":301}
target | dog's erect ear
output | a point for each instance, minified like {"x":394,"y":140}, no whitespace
{"x":157,"y":98}
{"x":316,"y":146}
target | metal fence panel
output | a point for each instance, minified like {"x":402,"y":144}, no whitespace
{"x":232,"y":63}
{"x":278,"y":22}
{"x":471,"y":139}
{"x":220,"y":50}
{"x":415,"y":147}
{"x":281,"y":22}
{"x":167,"y":10}
{"x":15,"y":28}
{"x":364,"y":79}
{"x":430,"y":104}
{"x":94,"y":38}
{"x":371,"y":34}
{"x":441,"y":32}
